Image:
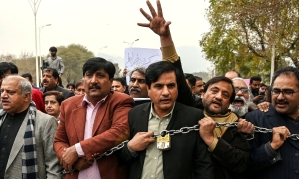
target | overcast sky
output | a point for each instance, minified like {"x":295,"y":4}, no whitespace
{"x":98,"y":23}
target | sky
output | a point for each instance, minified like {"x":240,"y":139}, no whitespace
{"x":96,"y":24}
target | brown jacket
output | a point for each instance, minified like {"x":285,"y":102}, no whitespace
{"x":110,"y":128}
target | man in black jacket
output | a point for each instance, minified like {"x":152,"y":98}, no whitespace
{"x":228,"y":147}
{"x":168,"y":156}
{"x":50,"y":80}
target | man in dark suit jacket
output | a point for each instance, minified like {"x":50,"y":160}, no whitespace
{"x":275,"y":155}
{"x":50,"y":79}
{"x":93,"y":123}
{"x":187,"y":156}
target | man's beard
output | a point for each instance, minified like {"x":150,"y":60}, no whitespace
{"x":240,"y":110}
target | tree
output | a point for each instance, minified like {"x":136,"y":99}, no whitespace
{"x":246,"y":34}
{"x":74,"y":56}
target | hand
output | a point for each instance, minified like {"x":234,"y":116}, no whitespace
{"x":69,"y":157}
{"x":156,"y":23}
{"x":258,"y":98}
{"x":264,"y":106}
{"x":82,"y":163}
{"x":206,"y":128}
{"x":124,"y":72}
{"x":245,"y":126}
{"x":279,"y":135}
{"x":140,"y":141}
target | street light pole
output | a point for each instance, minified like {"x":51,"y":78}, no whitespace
{"x":40,"y":56}
{"x":131,"y":44}
{"x":34,"y":6}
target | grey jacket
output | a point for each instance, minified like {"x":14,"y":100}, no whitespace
{"x":48,"y":164}
{"x":56,"y":64}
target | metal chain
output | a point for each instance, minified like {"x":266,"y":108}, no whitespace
{"x":110,"y":151}
{"x":185,"y":130}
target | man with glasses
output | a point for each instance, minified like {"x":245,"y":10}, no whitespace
{"x":241,"y":104}
{"x":276,"y":155}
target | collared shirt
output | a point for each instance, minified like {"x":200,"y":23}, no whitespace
{"x":153,"y":162}
{"x":93,"y":171}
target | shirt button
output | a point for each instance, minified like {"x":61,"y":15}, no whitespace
{"x":5,"y":137}
{"x":161,"y":123}
{"x":3,"y":149}
{"x":274,"y":159}
{"x":297,"y":172}
{"x":155,"y":158}
{"x":8,"y":125}
{"x":297,"y":154}
{"x":152,"y":176}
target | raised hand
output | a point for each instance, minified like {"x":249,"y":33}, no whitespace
{"x":157,"y":22}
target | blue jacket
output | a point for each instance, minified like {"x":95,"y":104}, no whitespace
{"x":282,"y":163}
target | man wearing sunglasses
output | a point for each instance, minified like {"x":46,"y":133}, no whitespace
{"x":276,"y":154}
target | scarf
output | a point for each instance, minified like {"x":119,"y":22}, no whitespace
{"x":228,"y":117}
{"x":29,"y":161}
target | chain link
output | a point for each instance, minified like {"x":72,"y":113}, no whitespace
{"x":185,"y":130}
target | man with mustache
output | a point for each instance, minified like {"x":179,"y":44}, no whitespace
{"x":137,"y":86}
{"x":93,"y":123}
{"x":241,"y":104}
{"x":228,"y":146}
{"x":50,"y":80}
{"x":275,"y":154}
{"x":26,"y":134}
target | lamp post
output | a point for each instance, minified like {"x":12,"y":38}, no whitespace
{"x":102,"y":48}
{"x":131,"y":44}
{"x":40,"y":56}
{"x":34,"y":6}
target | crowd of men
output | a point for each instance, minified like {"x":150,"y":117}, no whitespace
{"x":166,"y":124}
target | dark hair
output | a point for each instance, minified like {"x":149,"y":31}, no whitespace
{"x":70,"y":84}
{"x":154,"y":71}
{"x":53,"y":49}
{"x":255,"y":78}
{"x":4,"y":67}
{"x":263,"y":84}
{"x":288,"y":71}
{"x":198,"y":78}
{"x":54,"y":72}
{"x":27,"y":75}
{"x":218,"y":79}
{"x":238,"y":73}
{"x":190,"y":78}
{"x":13,"y":68}
{"x":79,"y":83}
{"x":121,"y":80}
{"x":58,"y":95}
{"x":94,"y":64}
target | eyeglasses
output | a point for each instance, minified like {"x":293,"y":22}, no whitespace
{"x":243,"y":90}
{"x":285,"y":93}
